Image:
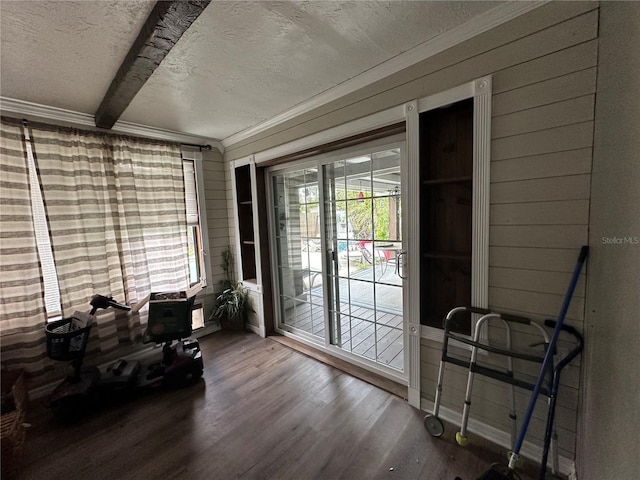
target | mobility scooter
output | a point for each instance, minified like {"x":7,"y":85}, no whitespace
{"x":179,"y":364}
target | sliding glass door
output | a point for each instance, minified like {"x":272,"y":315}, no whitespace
{"x":297,"y":236}
{"x":337,"y":231}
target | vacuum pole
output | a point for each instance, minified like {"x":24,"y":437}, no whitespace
{"x":547,"y":358}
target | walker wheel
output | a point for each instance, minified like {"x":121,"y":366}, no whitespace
{"x":433,"y":425}
{"x":461,"y":439}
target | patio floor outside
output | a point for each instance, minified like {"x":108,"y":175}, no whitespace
{"x":370,"y":309}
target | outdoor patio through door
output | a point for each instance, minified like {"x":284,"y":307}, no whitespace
{"x":337,"y":232}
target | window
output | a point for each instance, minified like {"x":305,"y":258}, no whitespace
{"x":194,"y":239}
{"x":195,"y":247}
{"x":197,"y":233}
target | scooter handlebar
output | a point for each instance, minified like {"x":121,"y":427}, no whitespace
{"x":101,"y":301}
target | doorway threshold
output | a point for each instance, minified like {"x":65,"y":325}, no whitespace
{"x":355,"y":371}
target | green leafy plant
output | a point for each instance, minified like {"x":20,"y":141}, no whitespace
{"x":231,"y":303}
{"x":226,"y":264}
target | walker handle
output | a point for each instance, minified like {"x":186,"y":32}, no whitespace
{"x":515,"y":318}
{"x":571,"y":330}
{"x":481,"y":311}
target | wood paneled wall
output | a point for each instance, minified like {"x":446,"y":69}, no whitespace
{"x":541,"y":151}
{"x":218,"y":218}
{"x":544,"y":80}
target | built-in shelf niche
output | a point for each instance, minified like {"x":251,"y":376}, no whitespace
{"x":446,"y":196}
{"x":244,"y":200}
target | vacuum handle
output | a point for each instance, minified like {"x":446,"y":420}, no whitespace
{"x":584,"y":251}
{"x":547,"y":362}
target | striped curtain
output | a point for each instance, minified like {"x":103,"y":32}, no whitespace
{"x":116,"y":212}
{"x":22,"y":311}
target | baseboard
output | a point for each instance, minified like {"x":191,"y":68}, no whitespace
{"x":499,"y":437}
{"x":257,"y":330}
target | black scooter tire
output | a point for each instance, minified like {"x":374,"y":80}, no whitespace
{"x":180,"y":379}
{"x":71,"y":409}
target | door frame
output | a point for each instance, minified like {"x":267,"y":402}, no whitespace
{"x":318,"y":161}
{"x":480,"y":89}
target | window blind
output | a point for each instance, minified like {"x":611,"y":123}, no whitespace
{"x":190,"y":191}
{"x":49,"y":276}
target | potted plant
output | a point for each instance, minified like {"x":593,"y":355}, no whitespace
{"x":231,"y":307}
{"x":231,"y":304}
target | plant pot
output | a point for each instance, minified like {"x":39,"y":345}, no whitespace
{"x":234,"y":323}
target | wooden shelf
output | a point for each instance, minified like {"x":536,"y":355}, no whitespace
{"x":245,"y":221}
{"x":442,"y":181}
{"x":446,"y":200}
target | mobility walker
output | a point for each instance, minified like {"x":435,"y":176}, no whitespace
{"x":547,"y":382}
{"x":435,"y":426}
{"x":479,"y":342}
{"x":180,"y":363}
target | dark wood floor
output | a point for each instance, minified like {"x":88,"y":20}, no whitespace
{"x":261,"y":411}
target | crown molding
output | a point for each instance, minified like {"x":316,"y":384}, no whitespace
{"x":488,"y":20}
{"x":36,"y":111}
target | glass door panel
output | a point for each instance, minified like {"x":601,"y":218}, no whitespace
{"x":363,"y":231}
{"x":298,"y":251}
{"x":338,"y":251}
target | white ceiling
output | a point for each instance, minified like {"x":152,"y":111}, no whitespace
{"x":239,"y":65}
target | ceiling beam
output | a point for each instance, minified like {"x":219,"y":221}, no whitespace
{"x":161,"y":31}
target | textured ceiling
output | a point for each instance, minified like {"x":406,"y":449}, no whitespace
{"x":239,"y":64}
{"x":65,"y":54}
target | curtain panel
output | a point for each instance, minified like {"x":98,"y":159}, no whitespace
{"x":22,"y":308}
{"x":115,"y":207}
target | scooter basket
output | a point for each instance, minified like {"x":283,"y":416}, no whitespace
{"x":67,"y":338}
